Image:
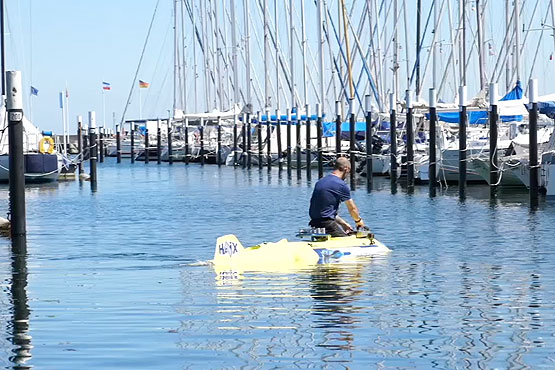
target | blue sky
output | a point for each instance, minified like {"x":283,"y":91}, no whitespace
{"x":80,"y":44}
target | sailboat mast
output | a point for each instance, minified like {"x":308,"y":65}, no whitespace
{"x":219,"y":74}
{"x":396,"y":50}
{"x":303,"y":31}
{"x":175,"y":57}
{"x":507,"y":46}
{"x":278,"y":85}
{"x":291,"y":52}
{"x":517,"y":38}
{"x":418,"y":21}
{"x":480,"y":46}
{"x":195,"y":75}
{"x":349,"y":70}
{"x":234,"y":55}
{"x":266,"y":71}
{"x":247,"y":49}
{"x":183,"y":65}
{"x":2,"y":48}
{"x":321,"y":55}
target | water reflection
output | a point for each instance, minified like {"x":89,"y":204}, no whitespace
{"x":334,"y":290}
{"x":20,"y":318}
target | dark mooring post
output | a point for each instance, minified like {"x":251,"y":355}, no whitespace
{"x":352,"y":149}
{"x":101,"y":144}
{"x":186,"y":134}
{"x":533,"y":129}
{"x":158,"y":142}
{"x":410,"y":140}
{"x":462,"y":140}
{"x":493,"y":119}
{"x":308,"y":148}
{"x":235,"y":138}
{"x":118,"y":143}
{"x":432,"y":147}
{"x":147,"y":144}
{"x":93,"y":148}
{"x":259,"y":134}
{"x":337,"y":129}
{"x":170,"y":143}
{"x":80,"y":144}
{"x":219,"y":147}
{"x":269,"y":140}
{"x":278,"y":134}
{"x":393,"y":136}
{"x":132,"y":149}
{"x":298,"y":143}
{"x":86,"y":148}
{"x":14,"y":105}
{"x":201,"y":134}
{"x":249,"y":142}
{"x":289,"y":144}
{"x":319,"y":140}
{"x":369,"y":166}
{"x":244,"y":138}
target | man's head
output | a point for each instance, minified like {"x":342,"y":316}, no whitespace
{"x":342,"y":167}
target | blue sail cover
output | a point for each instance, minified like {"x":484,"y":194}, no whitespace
{"x":481,"y":116}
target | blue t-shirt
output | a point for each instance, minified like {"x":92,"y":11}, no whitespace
{"x":328,"y":193}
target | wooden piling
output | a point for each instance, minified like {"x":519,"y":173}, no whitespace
{"x":432,"y":158}
{"x":298,"y":143}
{"x":369,"y":164}
{"x":410,"y":140}
{"x":249,"y":142}
{"x":16,"y":160}
{"x":80,"y":144}
{"x":393,"y":136}
{"x":201,"y":134}
{"x":132,"y":149}
{"x":279,"y":147}
{"x":462,"y":140}
{"x":308,"y":148}
{"x":235,"y":138}
{"x":170,"y":140}
{"x":337,"y":129}
{"x":186,"y":133}
{"x":533,"y":141}
{"x":259,"y":134}
{"x":493,"y":133}
{"x":158,"y":142}
{"x":352,"y":142}
{"x":93,"y":148}
{"x":147,"y":144}
{"x":118,"y":143}
{"x":219,"y":148}
{"x":269,"y":140}
{"x":101,"y":144}
{"x":289,"y":144}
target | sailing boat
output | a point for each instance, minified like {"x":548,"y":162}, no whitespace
{"x":42,"y":163}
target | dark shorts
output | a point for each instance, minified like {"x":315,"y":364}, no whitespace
{"x":332,"y":227}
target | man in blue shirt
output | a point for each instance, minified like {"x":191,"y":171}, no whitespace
{"x":328,"y":193}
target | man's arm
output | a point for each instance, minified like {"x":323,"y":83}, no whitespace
{"x":353,"y":211}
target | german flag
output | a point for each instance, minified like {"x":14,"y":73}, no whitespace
{"x":143,"y":85}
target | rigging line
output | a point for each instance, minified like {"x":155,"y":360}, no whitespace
{"x":140,"y":62}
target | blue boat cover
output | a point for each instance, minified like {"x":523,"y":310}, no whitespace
{"x":481,"y":116}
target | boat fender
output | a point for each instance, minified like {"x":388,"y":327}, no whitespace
{"x":50,"y":145}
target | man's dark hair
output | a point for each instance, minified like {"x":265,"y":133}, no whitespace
{"x":342,"y":164}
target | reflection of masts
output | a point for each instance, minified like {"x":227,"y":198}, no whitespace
{"x":20,"y":322}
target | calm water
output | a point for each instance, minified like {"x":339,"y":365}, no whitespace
{"x":114,"y":279}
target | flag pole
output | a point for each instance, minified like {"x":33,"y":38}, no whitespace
{"x":103,"y":107}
